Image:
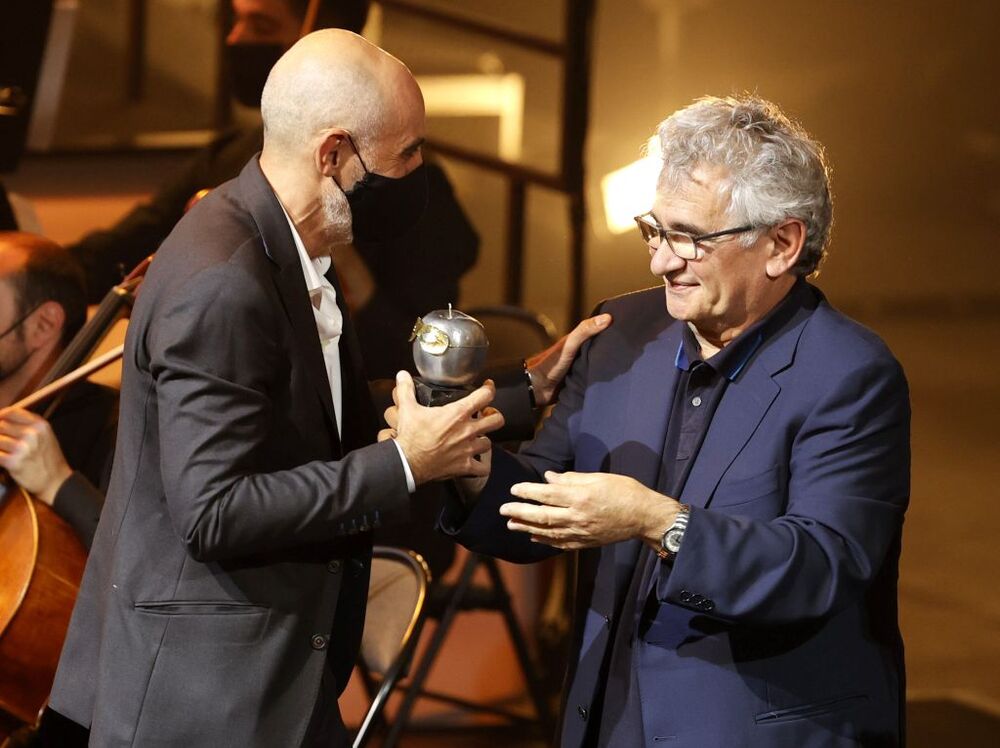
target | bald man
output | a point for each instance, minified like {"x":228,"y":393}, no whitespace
{"x":224,"y":596}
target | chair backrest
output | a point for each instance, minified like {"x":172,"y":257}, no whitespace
{"x":396,"y":595}
{"x":514,"y":333}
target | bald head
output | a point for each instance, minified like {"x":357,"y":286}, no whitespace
{"x":336,"y":79}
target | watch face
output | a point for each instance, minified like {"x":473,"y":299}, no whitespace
{"x":672,"y":540}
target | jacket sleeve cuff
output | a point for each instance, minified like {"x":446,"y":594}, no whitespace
{"x":79,"y":503}
{"x":411,"y":484}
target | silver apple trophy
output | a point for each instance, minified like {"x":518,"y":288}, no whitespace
{"x":449,"y":350}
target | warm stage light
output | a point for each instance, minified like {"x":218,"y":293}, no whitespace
{"x":500,"y":96}
{"x":628,"y":191}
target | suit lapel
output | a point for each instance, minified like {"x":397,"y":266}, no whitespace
{"x":743,"y":406}
{"x":276,"y":235}
{"x":745,"y":403}
{"x":360,"y":421}
{"x":652,"y":379}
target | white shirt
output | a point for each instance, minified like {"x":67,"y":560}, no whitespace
{"x":329,"y":326}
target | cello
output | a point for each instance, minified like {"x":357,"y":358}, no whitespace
{"x":42,"y":560}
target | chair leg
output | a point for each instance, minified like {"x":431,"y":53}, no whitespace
{"x":423,"y":668}
{"x":531,"y":678}
{"x":371,"y":691}
{"x":374,"y":718}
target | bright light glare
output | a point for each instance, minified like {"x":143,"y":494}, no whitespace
{"x":628,"y":191}
{"x":500,"y":96}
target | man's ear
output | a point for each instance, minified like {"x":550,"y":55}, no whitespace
{"x":333,"y":153}
{"x":787,"y":239}
{"x":45,"y":325}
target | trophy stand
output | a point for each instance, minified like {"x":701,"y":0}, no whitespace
{"x":433,"y":394}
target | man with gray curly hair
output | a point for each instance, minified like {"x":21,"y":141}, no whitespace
{"x":734,"y":469}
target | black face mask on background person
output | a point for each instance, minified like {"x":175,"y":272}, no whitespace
{"x":384,"y":208}
{"x":248,"y":66}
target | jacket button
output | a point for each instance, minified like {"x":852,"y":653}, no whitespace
{"x":357,"y":567}
{"x":708,"y":605}
{"x":334,"y":567}
{"x":318,"y":642}
{"x":697,"y":599}
{"x":582,"y":711}
{"x":685,"y":596}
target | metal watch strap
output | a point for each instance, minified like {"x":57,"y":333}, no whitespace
{"x":680,"y":524}
{"x":531,"y":384}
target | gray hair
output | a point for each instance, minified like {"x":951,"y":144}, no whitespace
{"x":294,"y":108}
{"x":775,"y":170}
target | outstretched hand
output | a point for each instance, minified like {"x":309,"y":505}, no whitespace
{"x":442,"y":442}
{"x":548,"y":367}
{"x":585,"y":510}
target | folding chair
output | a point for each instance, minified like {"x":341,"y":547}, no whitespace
{"x":514,"y":332}
{"x":397,"y":594}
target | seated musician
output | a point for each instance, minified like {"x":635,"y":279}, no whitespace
{"x":61,"y":460}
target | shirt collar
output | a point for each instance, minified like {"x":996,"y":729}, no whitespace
{"x":731,"y":360}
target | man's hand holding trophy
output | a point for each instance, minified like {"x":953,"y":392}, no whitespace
{"x":443,"y":411}
{"x":440,"y":420}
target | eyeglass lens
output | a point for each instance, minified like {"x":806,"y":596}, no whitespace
{"x":681,"y":244}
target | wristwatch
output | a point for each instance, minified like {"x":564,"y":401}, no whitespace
{"x":531,"y":384}
{"x":670,"y":543}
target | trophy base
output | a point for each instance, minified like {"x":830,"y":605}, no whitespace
{"x":433,"y":395}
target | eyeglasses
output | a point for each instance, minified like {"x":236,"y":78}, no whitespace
{"x":681,"y":243}
{"x":19,"y":322}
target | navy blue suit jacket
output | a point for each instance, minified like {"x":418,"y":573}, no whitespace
{"x":776,"y":625}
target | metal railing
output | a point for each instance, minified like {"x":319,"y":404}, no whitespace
{"x":574,"y":51}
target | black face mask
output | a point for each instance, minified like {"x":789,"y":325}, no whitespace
{"x":248,"y":66}
{"x":384,"y":208}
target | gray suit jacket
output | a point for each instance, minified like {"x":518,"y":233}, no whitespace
{"x":231,"y":560}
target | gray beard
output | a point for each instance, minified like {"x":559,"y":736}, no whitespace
{"x":337,"y":216}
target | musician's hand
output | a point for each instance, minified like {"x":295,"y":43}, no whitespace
{"x":31,"y":454}
{"x":548,"y":368}
{"x":443,"y":442}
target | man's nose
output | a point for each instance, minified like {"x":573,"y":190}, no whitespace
{"x":663,"y":260}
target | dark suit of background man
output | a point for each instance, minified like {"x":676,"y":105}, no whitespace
{"x":224,"y":597}
{"x":388,"y":283}
{"x":735,"y":467}
{"x":63,"y":460}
